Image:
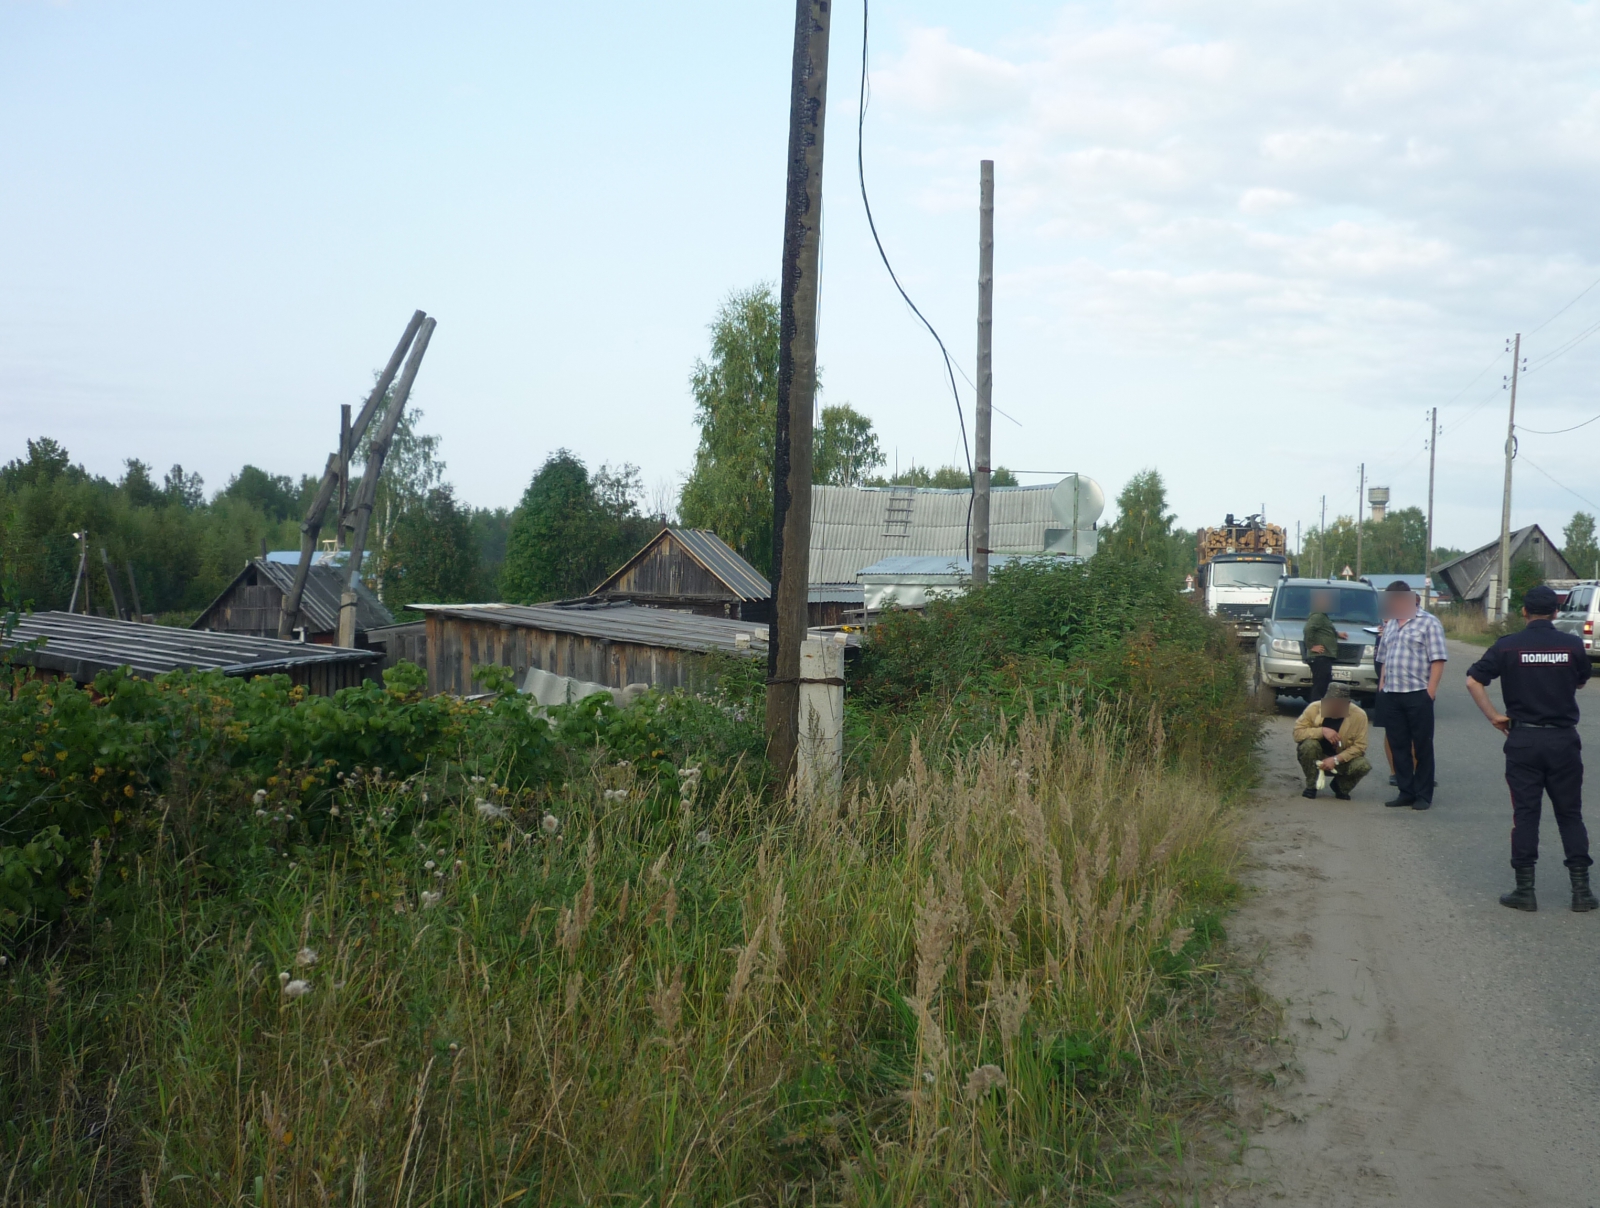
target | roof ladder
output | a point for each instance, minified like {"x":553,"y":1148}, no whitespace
{"x":897,"y":520}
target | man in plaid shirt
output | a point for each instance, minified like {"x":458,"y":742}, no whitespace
{"x":1413,"y":653}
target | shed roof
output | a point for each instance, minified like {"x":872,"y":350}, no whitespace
{"x":853,"y":527}
{"x":634,"y":623}
{"x":715,"y":555}
{"x":81,"y":647}
{"x":942,"y":567}
{"x":319,"y":603}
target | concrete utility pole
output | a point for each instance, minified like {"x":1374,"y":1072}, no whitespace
{"x":1427,"y":553}
{"x":981,"y":472}
{"x":797,"y":381}
{"x":1502,"y":600}
{"x":1361,"y":502}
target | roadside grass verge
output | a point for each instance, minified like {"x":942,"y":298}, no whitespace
{"x":971,"y":985}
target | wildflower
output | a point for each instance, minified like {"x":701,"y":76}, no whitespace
{"x":477,"y":780}
{"x":424,"y":798}
{"x":334,"y":811}
{"x":488,"y":809}
{"x":430,"y":899}
{"x":305,"y":958}
{"x":293,"y":989}
{"x":927,"y":1076}
{"x":260,"y":796}
{"x":429,"y":865}
{"x":261,"y":814}
{"x":459,"y":865}
{"x":984,"y":1079}
{"x":616,"y":794}
{"x":439,"y":872}
{"x":703,"y":838}
{"x":550,"y":824}
{"x":623,"y":763}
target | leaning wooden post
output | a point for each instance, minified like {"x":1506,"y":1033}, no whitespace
{"x":981,"y":472}
{"x":133,"y":590}
{"x":311,"y":526}
{"x":797,"y":382}
{"x":367,"y":492}
{"x":111,"y":583}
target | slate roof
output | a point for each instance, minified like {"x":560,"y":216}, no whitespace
{"x":1468,"y":575}
{"x":81,"y":647}
{"x":853,"y":527}
{"x":319,"y":603}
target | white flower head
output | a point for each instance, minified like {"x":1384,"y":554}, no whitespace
{"x":703,"y":838}
{"x":616,"y":794}
{"x":488,"y":809}
{"x":430,"y":899}
{"x":293,"y":989}
{"x":334,"y":811}
{"x":260,"y":796}
{"x":623,"y":763}
{"x":262,"y":814}
{"x":477,"y":780}
{"x":305,"y":958}
{"x":429,"y":865}
{"x":550,"y":824}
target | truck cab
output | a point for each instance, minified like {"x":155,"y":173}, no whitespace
{"x":1238,"y":588}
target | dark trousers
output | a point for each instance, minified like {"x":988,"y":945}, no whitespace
{"x":1540,"y":762}
{"x":1408,"y":719}
{"x":1321,"y":674}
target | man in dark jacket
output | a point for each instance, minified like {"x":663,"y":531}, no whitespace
{"x":1540,"y":671}
{"x":1321,"y":642}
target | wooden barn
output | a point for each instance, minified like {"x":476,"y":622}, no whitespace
{"x":252,"y":603}
{"x":609,"y":644}
{"x":79,"y":648}
{"x":1467,"y":577}
{"x":692,"y":570}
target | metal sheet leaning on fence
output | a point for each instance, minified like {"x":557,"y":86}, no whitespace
{"x":1540,"y":671}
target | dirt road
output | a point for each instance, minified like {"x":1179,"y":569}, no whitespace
{"x":1448,"y":1048}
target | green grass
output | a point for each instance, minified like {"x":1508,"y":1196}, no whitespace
{"x":986,"y":982}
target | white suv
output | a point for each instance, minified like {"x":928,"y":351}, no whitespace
{"x":1581,"y":613}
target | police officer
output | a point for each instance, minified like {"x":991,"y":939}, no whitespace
{"x":1541,"y":670}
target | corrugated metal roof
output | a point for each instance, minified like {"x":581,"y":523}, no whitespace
{"x":835,"y":593}
{"x":642,"y":626}
{"x":853,"y":527}
{"x":82,"y":647}
{"x":1468,"y":576}
{"x":319,"y":603}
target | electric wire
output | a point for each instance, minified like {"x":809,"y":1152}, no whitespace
{"x":1565,"y":308}
{"x":1523,"y":457}
{"x":866,"y":204}
{"x":1557,"y":431}
{"x":1541,"y":362}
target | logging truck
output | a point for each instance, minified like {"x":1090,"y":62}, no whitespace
{"x":1239,"y":565}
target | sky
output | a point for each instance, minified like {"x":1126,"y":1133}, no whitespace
{"x":1248,"y":244}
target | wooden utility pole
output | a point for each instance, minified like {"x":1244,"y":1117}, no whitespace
{"x":311,"y":526}
{"x":344,"y":473}
{"x":1427,"y":553}
{"x":82,"y":577}
{"x":133,"y":590}
{"x":367,"y":492}
{"x":1503,"y":595}
{"x":117,"y":606}
{"x":1361,"y":518}
{"x":982,"y":471}
{"x":797,"y":382}
{"x":1322,"y":535}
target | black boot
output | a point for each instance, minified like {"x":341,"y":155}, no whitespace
{"x":1582,"y":896}
{"x":1521,"y":898}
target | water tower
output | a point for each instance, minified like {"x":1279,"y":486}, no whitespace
{"x":1378,"y":497}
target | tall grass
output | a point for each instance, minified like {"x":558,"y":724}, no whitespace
{"x":970,"y":985}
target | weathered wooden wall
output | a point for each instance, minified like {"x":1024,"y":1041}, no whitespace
{"x":457,"y":647}
{"x":668,"y":570}
{"x":248,"y":609}
{"x":401,"y":643}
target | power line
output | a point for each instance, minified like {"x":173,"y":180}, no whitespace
{"x":861,"y":175}
{"x":1567,"y":307}
{"x":1558,"y":431}
{"x":1524,"y":457}
{"x":1565,"y":348}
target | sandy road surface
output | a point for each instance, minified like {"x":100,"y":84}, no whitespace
{"x":1448,"y":1048}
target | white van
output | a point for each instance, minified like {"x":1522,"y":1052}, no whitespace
{"x":1581,"y":612}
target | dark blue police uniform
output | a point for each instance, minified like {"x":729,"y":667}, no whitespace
{"x":1540,"y":671}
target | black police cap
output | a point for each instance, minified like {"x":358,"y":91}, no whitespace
{"x":1540,"y":600}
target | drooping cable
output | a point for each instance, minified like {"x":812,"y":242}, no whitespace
{"x":861,"y":176}
{"x":1557,"y":431}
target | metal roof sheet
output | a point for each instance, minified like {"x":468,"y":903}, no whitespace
{"x":82,"y":647}
{"x":890,"y":568}
{"x":634,"y":623}
{"x":319,"y":603}
{"x":1468,"y":576}
{"x":853,"y":527}
{"x":835,"y":593}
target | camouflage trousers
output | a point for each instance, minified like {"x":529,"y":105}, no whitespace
{"x":1346,"y":775}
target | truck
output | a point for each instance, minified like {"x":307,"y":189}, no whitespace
{"x":1239,"y":564}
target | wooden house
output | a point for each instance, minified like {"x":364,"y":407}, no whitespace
{"x":690,"y":570}
{"x":253,"y":602}
{"x":72,"y":646}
